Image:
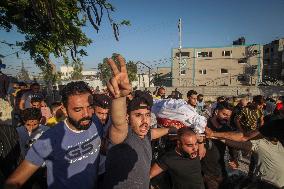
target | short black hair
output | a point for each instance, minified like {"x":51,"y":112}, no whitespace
{"x":102,"y":100}
{"x":258,"y":99}
{"x":55,"y":105}
{"x":221,"y":98}
{"x":35,"y":84}
{"x":185,"y":131}
{"x":36,"y":99}
{"x":200,"y":95}
{"x":74,"y":88}
{"x":22,"y":84}
{"x":31,"y":114}
{"x":191,"y":92}
{"x":224,"y":105}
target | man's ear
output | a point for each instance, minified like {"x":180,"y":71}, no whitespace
{"x":127,"y":118}
{"x":216,"y":112}
{"x":178,"y":143}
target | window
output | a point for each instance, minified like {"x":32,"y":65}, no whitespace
{"x":182,"y":72}
{"x":204,"y":54}
{"x":224,"y":71}
{"x":242,"y":61}
{"x":266,"y":51}
{"x":226,"y":53}
{"x":202,"y":72}
{"x":242,"y":78}
{"x":183,"y":54}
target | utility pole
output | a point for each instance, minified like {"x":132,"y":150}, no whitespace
{"x":180,"y":46}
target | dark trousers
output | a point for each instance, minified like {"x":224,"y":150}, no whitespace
{"x":212,"y":181}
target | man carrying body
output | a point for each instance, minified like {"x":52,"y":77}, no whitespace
{"x":213,"y":165}
{"x":183,"y":163}
{"x":267,"y":145}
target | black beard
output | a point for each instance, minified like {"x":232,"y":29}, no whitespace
{"x":77,"y":124}
{"x":222,"y":121}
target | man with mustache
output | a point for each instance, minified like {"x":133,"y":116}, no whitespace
{"x":213,"y":165}
{"x":183,"y":163}
{"x":70,"y":149}
{"x":128,"y":161}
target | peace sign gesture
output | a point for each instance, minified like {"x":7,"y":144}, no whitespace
{"x":119,"y":85}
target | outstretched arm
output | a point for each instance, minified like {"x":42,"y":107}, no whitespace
{"x":21,"y":175}
{"x":239,"y":145}
{"x":119,"y":87}
{"x":231,"y":135}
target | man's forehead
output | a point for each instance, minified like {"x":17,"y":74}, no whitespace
{"x":100,"y":109}
{"x":141,"y":110}
{"x":189,"y":139}
{"x":87,"y":97}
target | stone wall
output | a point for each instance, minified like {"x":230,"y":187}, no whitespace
{"x":211,"y":93}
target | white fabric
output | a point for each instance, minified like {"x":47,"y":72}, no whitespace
{"x":179,"y":110}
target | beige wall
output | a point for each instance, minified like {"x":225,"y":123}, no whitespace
{"x":192,"y":65}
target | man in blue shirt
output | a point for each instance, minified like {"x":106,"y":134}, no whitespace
{"x":70,"y":149}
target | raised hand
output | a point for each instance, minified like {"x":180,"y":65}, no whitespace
{"x":119,"y":85}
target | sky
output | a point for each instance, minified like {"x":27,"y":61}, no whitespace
{"x":154,"y":30}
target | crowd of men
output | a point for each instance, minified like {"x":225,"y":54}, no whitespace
{"x":91,"y":139}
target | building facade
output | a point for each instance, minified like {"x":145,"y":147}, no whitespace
{"x":273,"y":60}
{"x":217,"y":66}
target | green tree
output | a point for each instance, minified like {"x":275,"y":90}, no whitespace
{"x":105,"y":71}
{"x":77,"y":70}
{"x":54,"y":27}
{"x":132,"y":71}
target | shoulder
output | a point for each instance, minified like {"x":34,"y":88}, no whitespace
{"x":53,"y":132}
{"x":256,"y":144}
{"x":169,"y":156}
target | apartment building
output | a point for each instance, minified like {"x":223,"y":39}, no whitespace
{"x":273,"y":60}
{"x":217,"y":66}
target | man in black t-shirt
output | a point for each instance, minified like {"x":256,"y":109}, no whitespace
{"x":213,"y":164}
{"x":183,"y":164}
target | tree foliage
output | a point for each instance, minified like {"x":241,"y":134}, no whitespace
{"x":105,"y":71}
{"x":55,"y":26}
{"x":77,"y":70}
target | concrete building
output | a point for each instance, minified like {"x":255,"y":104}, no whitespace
{"x":66,"y":72}
{"x":163,"y":77}
{"x":273,"y":60}
{"x":143,"y":81}
{"x":217,"y":66}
